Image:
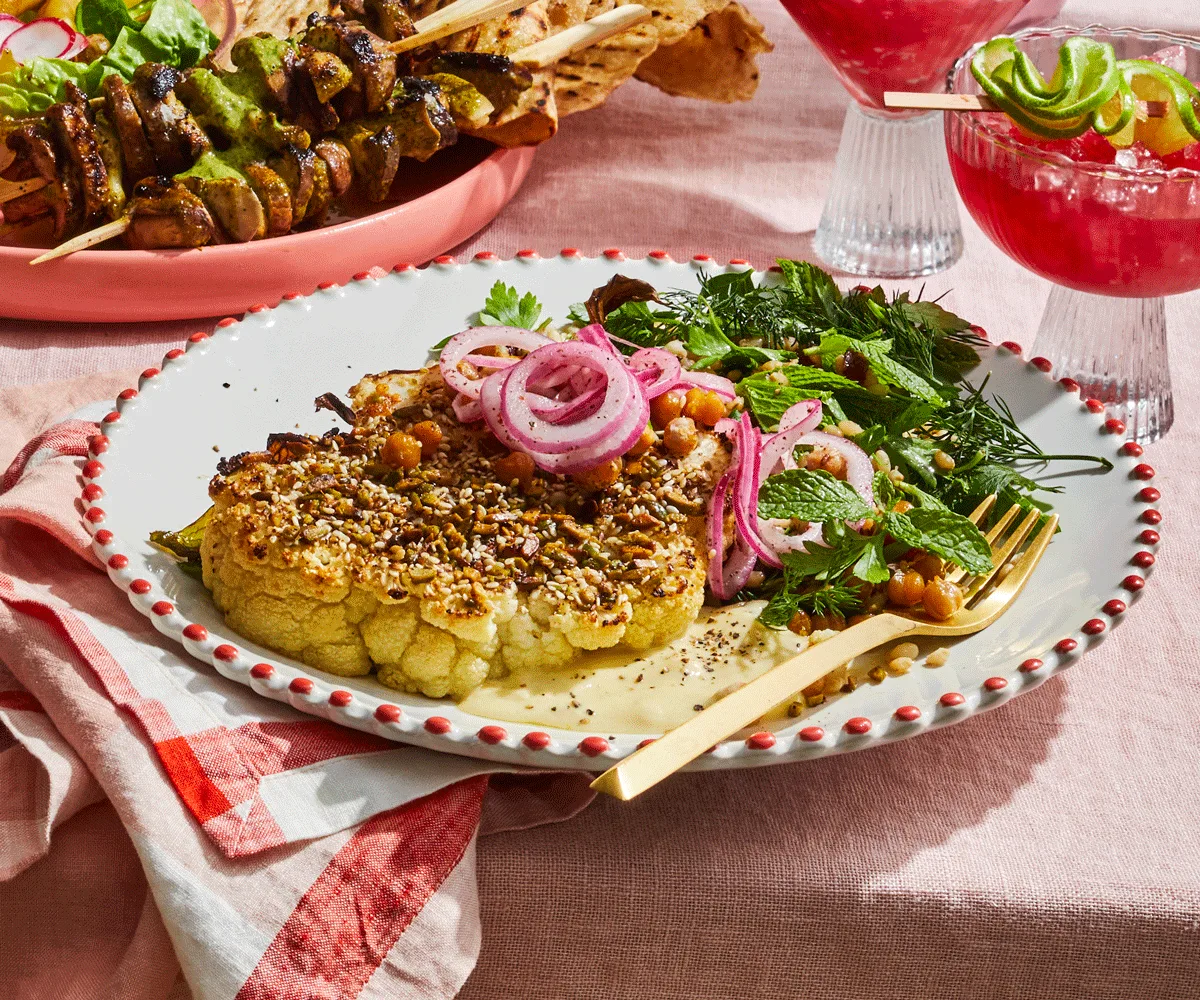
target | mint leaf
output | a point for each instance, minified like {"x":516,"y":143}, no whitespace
{"x":872,"y":565}
{"x":810,"y":496}
{"x":886,"y":368}
{"x":918,"y":455}
{"x":933,"y":317}
{"x":504,"y":307}
{"x":811,"y":283}
{"x":944,"y":533}
{"x":769,"y":400}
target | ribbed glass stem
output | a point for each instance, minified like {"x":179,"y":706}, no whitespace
{"x":891,"y":211}
{"x":1116,"y":349}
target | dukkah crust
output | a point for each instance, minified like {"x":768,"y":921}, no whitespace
{"x":442,"y":576}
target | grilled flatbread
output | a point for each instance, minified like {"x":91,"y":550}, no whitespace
{"x":691,"y":48}
{"x":278,"y":17}
{"x":534,"y":118}
{"x":715,"y":61}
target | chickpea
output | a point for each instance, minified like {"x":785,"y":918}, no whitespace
{"x":430,"y":436}
{"x":401,"y":451}
{"x":942,"y":599}
{"x":825,"y":458}
{"x":666,"y":407}
{"x":902,"y":507}
{"x":704,"y":406}
{"x":938,"y":657}
{"x":642,"y":444}
{"x":930,"y":566}
{"x":517,"y":467}
{"x":681,"y":436}
{"x":801,"y":624}
{"x":906,"y":588}
{"x":601,"y":476}
{"x":835,"y":622}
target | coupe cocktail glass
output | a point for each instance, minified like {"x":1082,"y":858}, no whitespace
{"x":891,"y":210}
{"x":1114,"y":237}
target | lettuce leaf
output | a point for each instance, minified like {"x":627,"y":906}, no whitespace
{"x":30,"y":89}
{"x":174,"y":34}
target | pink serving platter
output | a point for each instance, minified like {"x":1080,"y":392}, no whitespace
{"x":446,"y":201}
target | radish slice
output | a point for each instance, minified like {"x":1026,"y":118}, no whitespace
{"x":78,"y":44}
{"x":8,"y":24}
{"x":47,"y":38}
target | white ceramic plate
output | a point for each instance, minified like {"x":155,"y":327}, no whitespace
{"x":150,"y":468}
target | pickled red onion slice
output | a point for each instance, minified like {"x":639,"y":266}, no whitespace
{"x":726,"y":574}
{"x":535,"y":433}
{"x":469,"y":341}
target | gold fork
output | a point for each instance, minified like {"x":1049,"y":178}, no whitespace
{"x":655,"y":761}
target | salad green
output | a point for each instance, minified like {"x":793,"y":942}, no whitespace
{"x":173,"y":33}
{"x":890,"y":374}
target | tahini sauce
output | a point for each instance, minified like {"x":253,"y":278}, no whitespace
{"x":622,"y":691}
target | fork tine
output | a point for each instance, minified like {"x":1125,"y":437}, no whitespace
{"x":1000,"y":598}
{"x":1001,"y":553}
{"x":1011,"y":585}
{"x":980,"y":512}
{"x":961,"y":574}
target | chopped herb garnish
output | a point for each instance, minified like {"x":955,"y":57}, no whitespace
{"x":504,"y":307}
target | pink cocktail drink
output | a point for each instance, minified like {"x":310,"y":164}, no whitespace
{"x":879,"y":45}
{"x":1116,"y":230}
{"x":890,"y":211}
{"x":1069,"y":211}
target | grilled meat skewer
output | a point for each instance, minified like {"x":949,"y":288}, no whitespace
{"x":218,"y":156}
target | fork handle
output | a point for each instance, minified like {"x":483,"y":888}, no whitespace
{"x":655,"y":761}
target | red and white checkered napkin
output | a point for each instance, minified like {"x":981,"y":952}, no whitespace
{"x":289,"y":858}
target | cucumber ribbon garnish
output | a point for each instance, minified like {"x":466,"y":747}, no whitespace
{"x":1090,"y":88}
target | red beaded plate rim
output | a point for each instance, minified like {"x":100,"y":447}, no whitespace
{"x":320,"y":694}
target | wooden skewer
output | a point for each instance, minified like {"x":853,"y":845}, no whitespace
{"x":14,"y":189}
{"x":550,"y":50}
{"x":100,"y":234}
{"x":978,"y":102}
{"x":465,"y":14}
{"x":456,"y":16}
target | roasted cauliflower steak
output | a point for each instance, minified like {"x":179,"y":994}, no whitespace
{"x":440,"y":576}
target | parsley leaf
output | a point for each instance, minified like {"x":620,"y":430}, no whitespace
{"x":810,"y":496}
{"x":944,"y":533}
{"x":504,"y":307}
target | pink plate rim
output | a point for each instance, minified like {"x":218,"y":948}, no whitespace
{"x":236,"y":252}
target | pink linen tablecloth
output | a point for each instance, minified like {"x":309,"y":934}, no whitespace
{"x":1046,"y":850}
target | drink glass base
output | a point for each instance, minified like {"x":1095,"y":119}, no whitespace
{"x":891,"y":211}
{"x":1116,"y":349}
